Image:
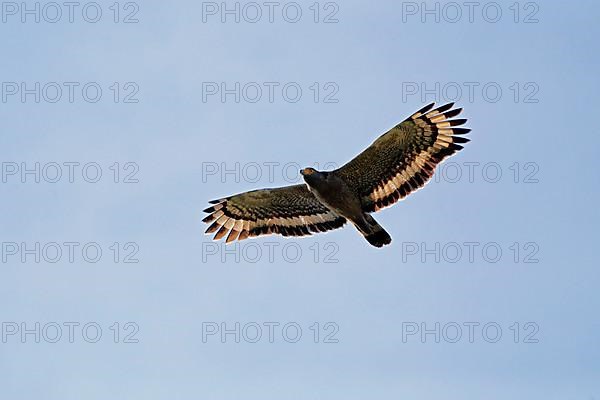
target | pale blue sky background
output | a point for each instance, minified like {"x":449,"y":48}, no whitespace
{"x":369,"y":293}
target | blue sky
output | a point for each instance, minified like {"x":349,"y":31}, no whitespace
{"x":521,"y":196}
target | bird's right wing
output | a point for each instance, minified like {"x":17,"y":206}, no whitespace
{"x":289,"y":211}
{"x":403,"y":159}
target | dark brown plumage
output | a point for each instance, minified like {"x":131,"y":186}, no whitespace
{"x":399,"y":162}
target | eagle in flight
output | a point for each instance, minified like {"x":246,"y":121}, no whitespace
{"x":399,"y":162}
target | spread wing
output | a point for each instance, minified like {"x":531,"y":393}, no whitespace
{"x":403,"y":159}
{"x":289,"y":211}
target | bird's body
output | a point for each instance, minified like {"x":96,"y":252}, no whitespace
{"x":332,"y":191}
{"x":399,"y":162}
{"x":339,"y":196}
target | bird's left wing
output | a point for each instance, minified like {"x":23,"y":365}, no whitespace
{"x":289,"y":211}
{"x":403,"y":159}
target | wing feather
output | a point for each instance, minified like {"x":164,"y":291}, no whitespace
{"x":403,"y":159}
{"x":288,"y":211}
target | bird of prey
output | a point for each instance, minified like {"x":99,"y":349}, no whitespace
{"x":399,"y":162}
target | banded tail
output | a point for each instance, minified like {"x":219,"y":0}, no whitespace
{"x":373,"y":232}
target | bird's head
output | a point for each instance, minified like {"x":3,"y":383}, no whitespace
{"x":308,"y":171}
{"x":311,"y":175}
